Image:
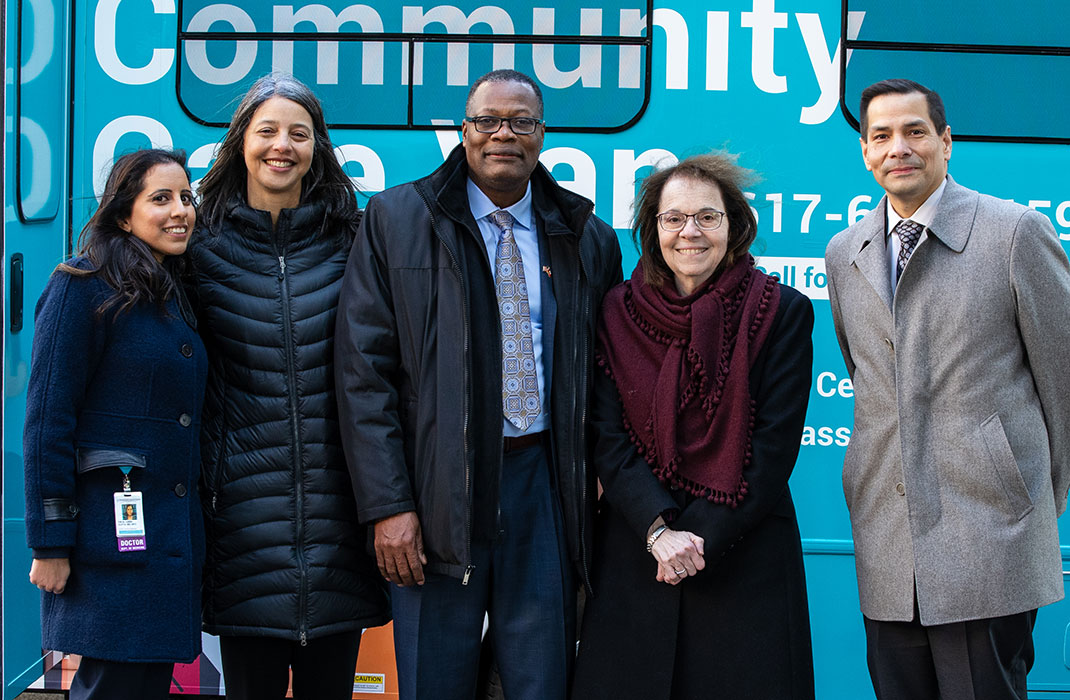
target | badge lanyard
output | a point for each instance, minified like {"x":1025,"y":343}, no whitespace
{"x":129,"y":516}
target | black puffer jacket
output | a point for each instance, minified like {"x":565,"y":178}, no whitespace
{"x":286,"y":555}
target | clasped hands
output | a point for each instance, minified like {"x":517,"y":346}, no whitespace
{"x":679,"y":554}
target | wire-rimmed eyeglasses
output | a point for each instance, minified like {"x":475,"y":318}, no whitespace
{"x":521,"y":126}
{"x":706,"y":219}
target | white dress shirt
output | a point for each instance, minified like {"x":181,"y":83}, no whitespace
{"x":924,"y":216}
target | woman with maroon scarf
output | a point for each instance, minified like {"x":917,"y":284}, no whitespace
{"x":699,"y":589}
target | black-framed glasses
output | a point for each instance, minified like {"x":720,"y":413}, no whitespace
{"x":521,"y":126}
{"x":706,"y":219}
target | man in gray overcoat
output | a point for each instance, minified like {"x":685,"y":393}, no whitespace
{"x":952,"y":310}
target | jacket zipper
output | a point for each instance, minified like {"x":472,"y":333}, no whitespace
{"x":217,"y":471}
{"x":218,"y":474}
{"x":582,"y":391}
{"x":467,"y":380}
{"x":299,"y":488}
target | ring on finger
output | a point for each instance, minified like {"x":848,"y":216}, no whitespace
{"x":679,"y":572}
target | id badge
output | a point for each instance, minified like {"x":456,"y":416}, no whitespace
{"x":130,"y":521}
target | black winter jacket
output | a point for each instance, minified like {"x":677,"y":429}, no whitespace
{"x":404,"y":357}
{"x":286,"y":555}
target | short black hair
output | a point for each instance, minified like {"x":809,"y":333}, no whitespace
{"x":504,"y":76}
{"x":902,"y":86}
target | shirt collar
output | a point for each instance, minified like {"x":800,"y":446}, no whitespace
{"x":925,"y":213}
{"x":482,"y":207}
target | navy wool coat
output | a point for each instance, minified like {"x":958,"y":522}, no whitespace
{"x":122,"y":389}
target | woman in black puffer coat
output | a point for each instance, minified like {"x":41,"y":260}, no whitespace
{"x":288,"y":582}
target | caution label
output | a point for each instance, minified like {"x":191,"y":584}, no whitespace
{"x":369,"y":683}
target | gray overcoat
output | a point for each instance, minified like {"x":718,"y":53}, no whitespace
{"x":959,"y":462}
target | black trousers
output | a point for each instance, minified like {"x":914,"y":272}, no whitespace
{"x":986,"y":659}
{"x":97,"y":679}
{"x":257,"y":668}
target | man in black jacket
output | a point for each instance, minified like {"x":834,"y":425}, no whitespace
{"x":463,"y":351}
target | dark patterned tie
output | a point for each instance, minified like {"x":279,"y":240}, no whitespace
{"x":909,"y":232}
{"x":520,"y":384}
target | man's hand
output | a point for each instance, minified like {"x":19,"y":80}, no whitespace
{"x":399,"y":549}
{"x":50,"y":574}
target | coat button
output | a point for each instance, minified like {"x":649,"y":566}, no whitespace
{"x":180,"y":490}
{"x":900,"y":489}
{"x":187,"y":350}
{"x":185,"y":421}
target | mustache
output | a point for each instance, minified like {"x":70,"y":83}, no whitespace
{"x":903,"y":164}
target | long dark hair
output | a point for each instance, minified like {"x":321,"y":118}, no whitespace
{"x":325,"y":180}
{"x":120,"y":258}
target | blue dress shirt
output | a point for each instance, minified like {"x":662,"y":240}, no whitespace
{"x":528,"y":241}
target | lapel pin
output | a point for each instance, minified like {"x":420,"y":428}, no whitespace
{"x":546,"y":269}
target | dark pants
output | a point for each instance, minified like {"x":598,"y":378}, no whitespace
{"x":522,"y":581}
{"x":97,"y":679}
{"x":985,"y":659}
{"x":257,"y":668}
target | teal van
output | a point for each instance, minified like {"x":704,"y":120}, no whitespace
{"x":628,"y":84}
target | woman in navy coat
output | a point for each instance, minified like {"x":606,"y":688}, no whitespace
{"x":113,"y":410}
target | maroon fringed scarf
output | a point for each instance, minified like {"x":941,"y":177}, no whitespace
{"x":681,"y":365}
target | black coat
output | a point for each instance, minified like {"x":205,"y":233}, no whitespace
{"x":105,"y":393}
{"x":286,"y":555}
{"x":740,"y":628}
{"x":405,"y":366}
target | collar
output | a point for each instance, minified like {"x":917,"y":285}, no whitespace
{"x":925,"y":213}
{"x":952,"y":223}
{"x":482,"y":207}
{"x":305,"y":222}
{"x":560,"y":210}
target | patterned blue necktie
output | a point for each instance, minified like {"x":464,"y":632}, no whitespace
{"x":520,"y":384}
{"x":909,"y":232}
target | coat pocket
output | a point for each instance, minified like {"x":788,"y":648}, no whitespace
{"x":90,"y":458}
{"x":99,"y":478}
{"x":1006,"y":467}
{"x":849,"y":475}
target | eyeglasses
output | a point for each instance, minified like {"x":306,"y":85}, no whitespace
{"x":705,"y":219}
{"x":521,"y":126}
